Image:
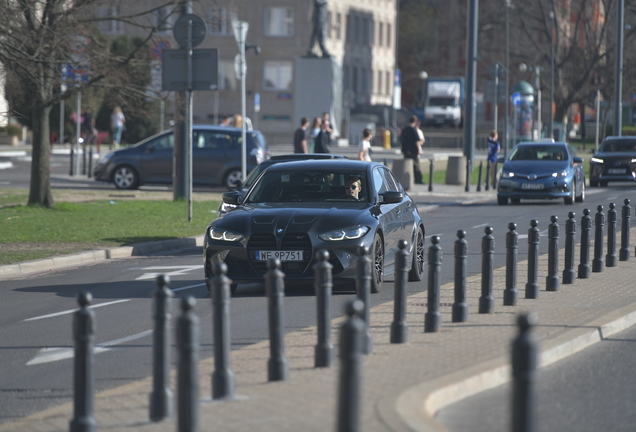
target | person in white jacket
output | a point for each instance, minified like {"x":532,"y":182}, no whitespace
{"x":364,"y":148}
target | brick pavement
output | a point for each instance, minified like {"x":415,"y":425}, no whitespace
{"x":402,"y":384}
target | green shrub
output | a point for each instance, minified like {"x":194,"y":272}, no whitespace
{"x":12,"y":130}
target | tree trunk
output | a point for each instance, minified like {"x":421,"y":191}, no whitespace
{"x":40,"y":191}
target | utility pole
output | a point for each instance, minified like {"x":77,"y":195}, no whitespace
{"x":471,"y":79}
{"x":618,"y":96}
{"x":180,"y":162}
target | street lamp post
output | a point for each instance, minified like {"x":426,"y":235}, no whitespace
{"x":618,"y":102}
{"x":507,"y":77}
{"x":537,"y":83}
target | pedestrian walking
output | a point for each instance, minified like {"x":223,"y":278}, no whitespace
{"x":364,"y":148}
{"x":88,"y":127}
{"x":412,"y":147}
{"x":493,"y":150}
{"x":117,"y":125}
{"x":315,"y":130}
{"x":300,"y":137}
{"x":225,"y":120}
{"x":322,"y":140}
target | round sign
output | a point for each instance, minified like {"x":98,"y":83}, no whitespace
{"x":515,"y":98}
{"x":181,"y":30}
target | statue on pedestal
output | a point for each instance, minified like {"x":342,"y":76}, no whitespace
{"x":319,"y":31}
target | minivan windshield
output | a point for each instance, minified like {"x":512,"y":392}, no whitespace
{"x":538,"y":152}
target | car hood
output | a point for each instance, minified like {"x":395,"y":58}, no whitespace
{"x":615,"y":155}
{"x":535,"y":167}
{"x":312,"y":217}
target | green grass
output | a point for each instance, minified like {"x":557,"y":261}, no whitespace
{"x":439,"y":177}
{"x":31,"y":232}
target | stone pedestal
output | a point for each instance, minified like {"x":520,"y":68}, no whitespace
{"x":456,"y":170}
{"x":318,"y":89}
{"x":403,"y":170}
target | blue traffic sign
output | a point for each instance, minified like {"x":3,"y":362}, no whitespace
{"x":515,"y":98}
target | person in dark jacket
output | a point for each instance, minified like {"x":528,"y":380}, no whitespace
{"x":412,"y":147}
{"x":323,"y":139}
{"x":493,"y":149}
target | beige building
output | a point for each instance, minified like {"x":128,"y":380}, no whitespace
{"x":360,"y":36}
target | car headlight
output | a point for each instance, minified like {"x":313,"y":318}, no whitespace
{"x":345,"y":234}
{"x":560,"y":174}
{"x":633,"y":160}
{"x":596,"y":160}
{"x":507,"y":174}
{"x":224,"y":235}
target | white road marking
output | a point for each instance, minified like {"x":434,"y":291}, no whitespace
{"x":188,"y":287}
{"x":611,"y":198}
{"x":525,"y":236}
{"x":47,"y":355}
{"x":66,"y":312}
{"x":433,"y":235}
{"x":479,"y":226}
{"x":180,"y":270}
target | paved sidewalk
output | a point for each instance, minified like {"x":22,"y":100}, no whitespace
{"x":402,"y":385}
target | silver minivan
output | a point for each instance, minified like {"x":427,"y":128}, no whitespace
{"x":216,"y":158}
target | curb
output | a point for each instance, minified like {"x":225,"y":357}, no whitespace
{"x":418,"y":405}
{"x":77,"y":259}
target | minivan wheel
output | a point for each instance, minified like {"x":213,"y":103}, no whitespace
{"x":125,"y":177}
{"x":231,"y":177}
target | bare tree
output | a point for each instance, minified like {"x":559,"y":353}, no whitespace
{"x":40,"y":36}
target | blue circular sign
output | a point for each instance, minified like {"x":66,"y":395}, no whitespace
{"x":515,"y":98}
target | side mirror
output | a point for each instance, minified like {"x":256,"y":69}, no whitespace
{"x":577,"y":159}
{"x":392,"y":197}
{"x":237,"y":185}
{"x":233,"y":197}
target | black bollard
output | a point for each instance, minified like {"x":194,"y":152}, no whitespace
{"x":488,"y":176}
{"x":223,"y":376}
{"x":399,"y":326}
{"x":510,"y":292}
{"x":363,"y":289}
{"x":90,"y":162}
{"x":460,"y":307}
{"x":486,"y":301}
{"x":71,"y":171}
{"x":586,"y":227}
{"x":431,"y":171}
{"x":83,"y":159}
{"x":187,"y":373}
{"x":84,"y":334}
{"x":599,"y":222}
{"x":469,"y":169}
{"x":625,"y":215}
{"x":351,"y":341}
{"x":552,"y":281}
{"x":161,"y":396}
{"x":532,"y":286}
{"x":524,"y":367}
{"x":611,"y":260}
{"x":432,"y":318}
{"x":570,"y":231}
{"x":481,"y":169}
{"x":323,"y":352}
{"x":277,"y":367}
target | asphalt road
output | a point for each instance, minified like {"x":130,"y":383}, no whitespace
{"x":589,"y":392}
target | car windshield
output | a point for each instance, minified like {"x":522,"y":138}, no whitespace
{"x":309,"y":186}
{"x":538,"y":152}
{"x":442,"y":101}
{"x":618,"y":146}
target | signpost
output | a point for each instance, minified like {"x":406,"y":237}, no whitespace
{"x":240,"y":34}
{"x":77,"y":74}
{"x":515,"y":98}
{"x":257,"y":108}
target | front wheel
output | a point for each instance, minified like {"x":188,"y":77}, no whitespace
{"x":581,"y":198}
{"x":417,"y":267}
{"x":125,"y":177}
{"x":568,"y":200}
{"x":377,"y":257}
{"x":502,"y":200}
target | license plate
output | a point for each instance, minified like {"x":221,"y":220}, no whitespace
{"x":281,"y":255}
{"x":616,"y":171}
{"x":532,"y":186}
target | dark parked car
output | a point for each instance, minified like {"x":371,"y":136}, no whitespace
{"x":297,"y":208}
{"x":253,"y":175}
{"x":216,"y":158}
{"x":614,"y":161}
{"x":542,"y":170}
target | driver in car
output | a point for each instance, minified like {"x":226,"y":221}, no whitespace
{"x":353,"y":187}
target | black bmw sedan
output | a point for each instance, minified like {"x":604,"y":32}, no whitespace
{"x":297,"y":208}
{"x":614,"y":161}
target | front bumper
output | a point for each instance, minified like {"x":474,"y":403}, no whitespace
{"x":547,"y":189}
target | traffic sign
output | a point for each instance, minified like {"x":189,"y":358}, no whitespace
{"x":158,"y":47}
{"x":515,"y":98}
{"x":205,"y":69}
{"x":180,"y":31}
{"x":257,"y":102}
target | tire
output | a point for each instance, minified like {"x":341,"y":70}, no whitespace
{"x":593,"y":183}
{"x":125,"y":177}
{"x":502,"y":200}
{"x":515,"y":201}
{"x":581,"y":198}
{"x":419,"y":258}
{"x":603,"y":183}
{"x":377,"y":264}
{"x":230,"y":178}
{"x":569,"y":200}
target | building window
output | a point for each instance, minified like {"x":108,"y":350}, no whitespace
{"x":381,"y":34}
{"x":220,"y":21}
{"x":338,"y":26}
{"x":354,"y":80}
{"x":363,"y":82}
{"x":345,"y":78}
{"x":227,"y":76}
{"x":110,"y":26}
{"x":388,"y":83}
{"x":388,"y":35}
{"x":278,"y":75}
{"x":379,"y":82}
{"x":279,"y":21}
{"x":329,"y":25}
{"x":349,"y":29}
{"x":164,"y":21}
{"x":371,"y":28}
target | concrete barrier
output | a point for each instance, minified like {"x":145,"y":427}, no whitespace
{"x":403,"y":170}
{"x":456,"y":170}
